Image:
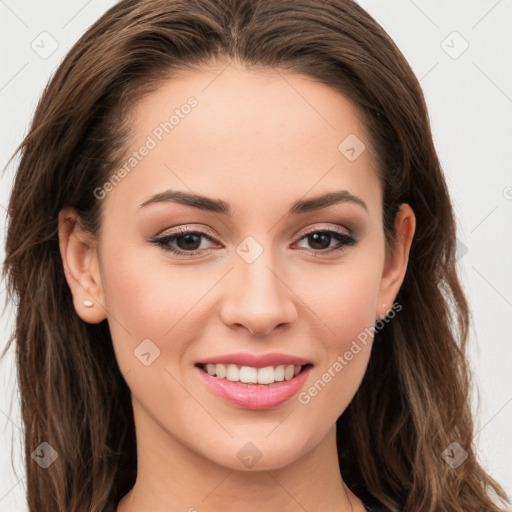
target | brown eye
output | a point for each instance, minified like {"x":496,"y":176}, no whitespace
{"x":184,"y":243}
{"x":189,"y":242}
{"x":320,"y":241}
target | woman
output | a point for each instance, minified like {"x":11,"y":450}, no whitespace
{"x":233,"y":247}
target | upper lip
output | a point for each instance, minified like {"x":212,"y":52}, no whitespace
{"x":256,"y":360}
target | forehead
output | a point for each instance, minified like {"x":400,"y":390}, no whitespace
{"x":262,"y":135}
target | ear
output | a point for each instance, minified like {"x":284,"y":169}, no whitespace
{"x":78,"y":250}
{"x":395,"y":263}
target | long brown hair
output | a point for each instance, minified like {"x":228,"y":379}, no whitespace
{"x":414,"y":399}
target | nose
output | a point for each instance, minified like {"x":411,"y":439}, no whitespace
{"x":258,"y":298}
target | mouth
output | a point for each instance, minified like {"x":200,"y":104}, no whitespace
{"x":267,"y":376}
{"x":251,"y":387}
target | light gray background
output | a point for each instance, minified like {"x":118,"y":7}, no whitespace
{"x":469,"y":95}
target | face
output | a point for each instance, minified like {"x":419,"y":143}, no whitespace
{"x":282,"y":270}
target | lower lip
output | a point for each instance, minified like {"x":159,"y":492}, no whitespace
{"x":255,"y":396}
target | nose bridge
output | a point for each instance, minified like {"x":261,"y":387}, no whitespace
{"x":257,"y":297}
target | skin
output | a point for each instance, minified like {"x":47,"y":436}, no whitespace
{"x":259,"y":140}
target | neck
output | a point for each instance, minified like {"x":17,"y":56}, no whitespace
{"x":171,"y":477}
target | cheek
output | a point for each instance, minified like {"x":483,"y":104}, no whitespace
{"x":150,"y":309}
{"x":141,"y":305}
{"x":344,"y":299}
{"x":347,"y":306}
{"x":147,"y":298}
{"x":156,"y":301}
{"x":356,"y":303}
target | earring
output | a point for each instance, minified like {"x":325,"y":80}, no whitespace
{"x":88,"y":304}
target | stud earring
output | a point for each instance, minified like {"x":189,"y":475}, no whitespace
{"x":88,"y":304}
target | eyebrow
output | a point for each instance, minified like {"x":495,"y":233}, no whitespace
{"x":221,"y":207}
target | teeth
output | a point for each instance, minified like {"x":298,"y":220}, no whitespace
{"x":288,"y":372}
{"x":232,"y":373}
{"x":220,"y":371}
{"x":279,"y":373}
{"x":249,"y":374}
{"x":267,"y":375}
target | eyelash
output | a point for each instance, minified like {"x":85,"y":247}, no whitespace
{"x":343,"y":238}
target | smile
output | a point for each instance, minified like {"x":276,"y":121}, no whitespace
{"x":267,"y":392}
{"x":251,"y":374}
